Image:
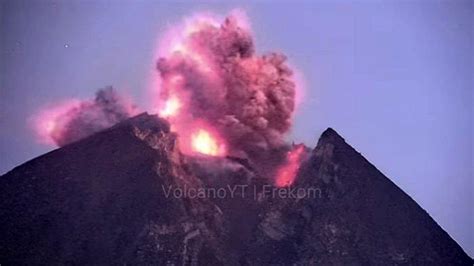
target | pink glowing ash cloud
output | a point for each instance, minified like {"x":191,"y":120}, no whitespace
{"x":48,"y":123}
{"x":209,"y":72}
{"x":72,"y":120}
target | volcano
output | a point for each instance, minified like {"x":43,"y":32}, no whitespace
{"x":127,"y":195}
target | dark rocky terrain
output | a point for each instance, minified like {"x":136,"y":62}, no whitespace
{"x":102,"y":200}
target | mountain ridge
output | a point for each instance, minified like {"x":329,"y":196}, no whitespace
{"x":101,"y":200}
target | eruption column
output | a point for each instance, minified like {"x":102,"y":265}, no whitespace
{"x":210,"y":73}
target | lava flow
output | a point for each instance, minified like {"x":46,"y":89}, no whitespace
{"x":286,"y":174}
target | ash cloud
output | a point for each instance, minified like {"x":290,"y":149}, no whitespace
{"x":248,"y":98}
{"x":89,"y":117}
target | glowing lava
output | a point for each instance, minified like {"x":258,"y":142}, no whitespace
{"x":171,"y":107}
{"x":287,"y":173}
{"x":203,"y":142}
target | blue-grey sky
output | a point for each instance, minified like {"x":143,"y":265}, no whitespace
{"x":393,"y":78}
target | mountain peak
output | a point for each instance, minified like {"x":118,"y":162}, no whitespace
{"x":330,"y":135}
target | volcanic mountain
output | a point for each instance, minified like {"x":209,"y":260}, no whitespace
{"x":111,"y":198}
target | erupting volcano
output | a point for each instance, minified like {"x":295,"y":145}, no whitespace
{"x":219,"y":96}
{"x":210,"y":179}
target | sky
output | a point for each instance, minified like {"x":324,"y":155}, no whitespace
{"x":394,"y":78}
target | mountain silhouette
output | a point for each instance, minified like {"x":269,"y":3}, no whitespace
{"x":114,"y":198}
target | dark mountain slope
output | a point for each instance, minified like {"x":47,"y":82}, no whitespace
{"x":101,"y":200}
{"x":359,"y":218}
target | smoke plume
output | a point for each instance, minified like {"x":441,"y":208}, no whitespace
{"x":73,"y":120}
{"x":217,"y":93}
{"x":213,"y":80}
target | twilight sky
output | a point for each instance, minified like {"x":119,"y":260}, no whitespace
{"x":393,"y":78}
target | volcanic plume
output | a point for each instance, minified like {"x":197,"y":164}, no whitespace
{"x":74,"y":119}
{"x":217,"y":91}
